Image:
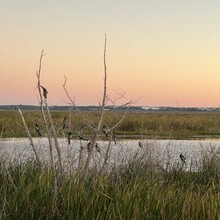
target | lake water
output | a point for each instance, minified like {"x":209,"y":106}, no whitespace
{"x":165,"y":151}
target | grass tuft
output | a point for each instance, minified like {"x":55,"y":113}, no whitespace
{"x":136,"y":190}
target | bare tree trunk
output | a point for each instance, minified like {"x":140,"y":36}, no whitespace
{"x":105,"y":89}
{"x":107,"y":155}
{"x":91,"y":152}
{"x":38,"y":73}
{"x":98,"y":128}
{"x":55,"y":137}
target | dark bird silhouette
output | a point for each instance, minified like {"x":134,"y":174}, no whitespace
{"x":69,"y":137}
{"x":65,"y":122}
{"x":82,"y":138}
{"x":45,"y":92}
{"x":37,"y":129}
{"x":105,"y":130}
{"x":140,"y":144}
{"x":81,"y":147}
{"x":114,"y":138}
{"x":97,"y":148}
{"x":89,"y":146}
{"x":183,"y":158}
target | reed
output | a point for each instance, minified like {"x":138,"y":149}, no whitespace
{"x":136,"y":190}
{"x":158,"y":125}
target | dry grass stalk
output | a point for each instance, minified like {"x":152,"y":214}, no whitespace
{"x":81,"y":156}
{"x":9,"y":177}
{"x":29,"y":136}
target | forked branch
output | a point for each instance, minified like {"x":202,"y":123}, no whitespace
{"x":85,"y":120}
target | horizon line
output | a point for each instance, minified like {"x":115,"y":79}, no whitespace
{"x":149,"y":106}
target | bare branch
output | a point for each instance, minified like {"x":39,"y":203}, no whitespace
{"x":41,"y":101}
{"x":38,"y":73}
{"x":105,"y":88}
{"x":98,"y":128}
{"x":86,"y":121}
{"x":123,"y":117}
{"x":119,"y":97}
{"x":39,"y":69}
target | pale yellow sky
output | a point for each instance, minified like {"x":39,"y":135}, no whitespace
{"x":162,"y":51}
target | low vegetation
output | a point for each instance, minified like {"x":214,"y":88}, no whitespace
{"x":135,"y":125}
{"x":136,"y":190}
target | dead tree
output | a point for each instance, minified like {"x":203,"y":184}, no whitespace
{"x":50,"y":128}
{"x":96,"y":129}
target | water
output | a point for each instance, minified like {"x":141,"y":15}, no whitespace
{"x":165,"y":151}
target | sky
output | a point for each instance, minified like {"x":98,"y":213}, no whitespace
{"x":159,"y":53}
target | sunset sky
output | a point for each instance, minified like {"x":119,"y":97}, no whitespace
{"x":161,"y":53}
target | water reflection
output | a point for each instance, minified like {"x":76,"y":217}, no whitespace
{"x":166,"y":152}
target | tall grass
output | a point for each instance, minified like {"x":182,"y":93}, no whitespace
{"x":151,"y":125}
{"x":139,"y":189}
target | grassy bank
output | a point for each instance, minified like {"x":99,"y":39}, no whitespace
{"x":138,"y":190}
{"x":135,"y":125}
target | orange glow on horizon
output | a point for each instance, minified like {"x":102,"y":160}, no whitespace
{"x":165,"y":53}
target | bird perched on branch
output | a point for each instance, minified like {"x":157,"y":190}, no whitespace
{"x":69,"y":137}
{"x":114,"y":138}
{"x":105,"y":130}
{"x":140,"y":144}
{"x":65,"y":122}
{"x":183,"y":158}
{"x":37,"y":129}
{"x":89,"y":146}
{"x":82,"y":138}
{"x":45,"y":92}
{"x":97,"y":148}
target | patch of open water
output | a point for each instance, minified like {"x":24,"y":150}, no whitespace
{"x":166,"y":151}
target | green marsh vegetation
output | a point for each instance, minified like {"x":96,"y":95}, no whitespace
{"x":141,"y":189}
{"x":135,"y":125}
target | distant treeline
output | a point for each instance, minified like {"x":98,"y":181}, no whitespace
{"x":62,"y":108}
{"x":118,"y":108}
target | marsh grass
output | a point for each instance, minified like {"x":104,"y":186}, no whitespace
{"x":138,"y":189}
{"x":151,"y":125}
